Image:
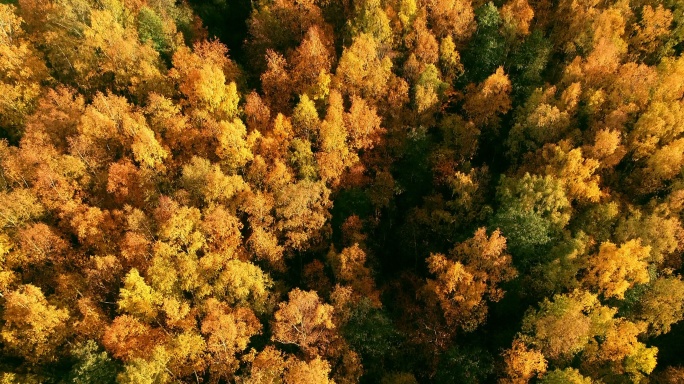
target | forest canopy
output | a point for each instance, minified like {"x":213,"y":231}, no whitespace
{"x":341,"y":191}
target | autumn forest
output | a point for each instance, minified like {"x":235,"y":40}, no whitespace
{"x":342,"y":191}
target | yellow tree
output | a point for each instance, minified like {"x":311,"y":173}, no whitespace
{"x":302,"y":372}
{"x":227,"y":333}
{"x":334,"y":156}
{"x":137,"y":298}
{"x":563,"y":327}
{"x":363,"y":125}
{"x":522,"y":363}
{"x":301,"y":211}
{"x":150,"y":369}
{"x":18,"y":207}
{"x":620,"y":349}
{"x":465,"y":281}
{"x":232,"y":147}
{"x":370,"y":18}
{"x":616,"y":269}
{"x":304,"y":321}
{"x":349,"y":267}
{"x":576,"y":172}
{"x":276,"y":82}
{"x":117,"y":50}
{"x":208,"y":184}
{"x":517,"y":16}
{"x":486,"y":102}
{"x":453,"y":18}
{"x":21,"y":71}
{"x":127,"y":338}
{"x":33,"y":328}
{"x":305,"y":121}
{"x":565,"y":376}
{"x":362,"y":71}
{"x":311,"y":64}
{"x":203,"y":75}
{"x":662,"y":305}
{"x":652,"y":30}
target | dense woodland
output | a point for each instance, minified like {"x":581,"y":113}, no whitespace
{"x":341,"y":191}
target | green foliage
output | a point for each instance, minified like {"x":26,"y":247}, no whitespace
{"x":528,"y":62}
{"x":534,"y":212}
{"x":565,"y":376}
{"x":487,"y":47}
{"x":371,"y":333}
{"x":92,"y":365}
{"x":467,"y":366}
{"x":151,"y":28}
{"x":302,"y":159}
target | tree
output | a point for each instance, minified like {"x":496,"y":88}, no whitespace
{"x":112,"y":48}
{"x":563,"y":327}
{"x":150,"y":370}
{"x":276,"y":82}
{"x":453,"y":18}
{"x":487,"y":48}
{"x":280,"y":26}
{"x":304,"y":321}
{"x":266,"y":367}
{"x":314,"y":371}
{"x":517,"y":16}
{"x":349,"y":267}
{"x":465,"y":365}
{"x":301,"y":211}
{"x":232,"y":148}
{"x":567,"y":375}
{"x":621,"y":350}
{"x":574,"y":170}
{"x":369,"y":18}
{"x":615,"y":269}
{"x":661,"y":306}
{"x":490,"y":100}
{"x":362,"y":70}
{"x":92,"y":365}
{"x":534,"y":210}
{"x":470,"y":277}
{"x":363,"y":125}
{"x":187,"y":354}
{"x":429,"y":89}
{"x":311,"y":64}
{"x":522,"y":363}
{"x":151,"y":27}
{"x":18,"y":207}
{"x":128,"y":339}
{"x":370,"y":331}
{"x":243,"y":283}
{"x":227,"y":332}
{"x":204,"y":79}
{"x":33,"y":328}
{"x":21,"y":71}
{"x":305,"y":119}
{"x":652,"y":31}
{"x":656,"y":229}
{"x":655,"y":128}
{"x":539,"y":121}
{"x":335,"y":154}
{"x":450,"y":59}
{"x":137,"y":298}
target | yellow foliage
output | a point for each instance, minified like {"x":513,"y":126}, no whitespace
{"x":33,"y":328}
{"x":522,"y":363}
{"x":137,"y":298}
{"x":303,"y":321}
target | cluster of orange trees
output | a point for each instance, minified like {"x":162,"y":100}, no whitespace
{"x":359,"y":191}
